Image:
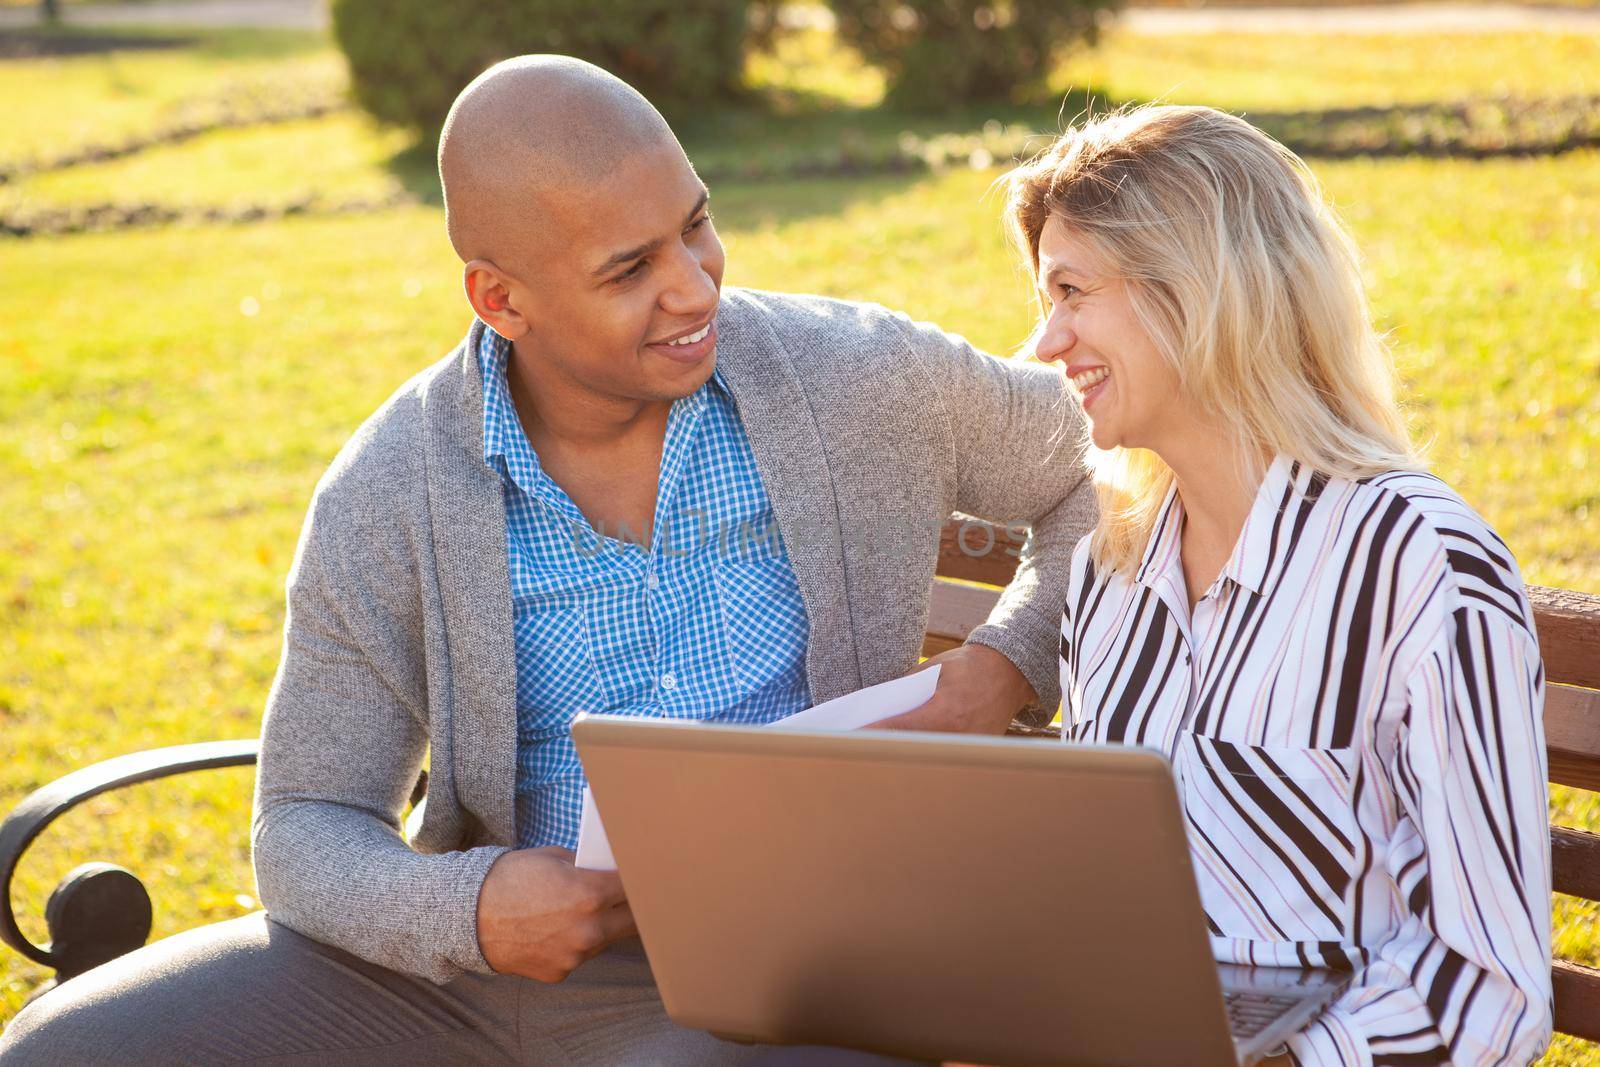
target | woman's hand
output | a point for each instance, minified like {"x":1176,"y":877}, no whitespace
{"x":979,"y":692}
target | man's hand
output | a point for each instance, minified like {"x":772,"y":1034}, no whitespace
{"x":979,"y":692}
{"x":540,"y":917}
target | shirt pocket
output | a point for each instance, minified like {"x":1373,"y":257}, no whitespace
{"x":1273,"y":835}
{"x":764,"y":619}
{"x":556,"y":675}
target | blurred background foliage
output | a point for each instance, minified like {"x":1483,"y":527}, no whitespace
{"x":409,"y":58}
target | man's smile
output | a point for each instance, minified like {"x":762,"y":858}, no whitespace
{"x":688,"y":347}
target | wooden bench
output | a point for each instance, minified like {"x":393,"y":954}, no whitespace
{"x":100,"y":911}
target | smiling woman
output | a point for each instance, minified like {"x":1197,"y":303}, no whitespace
{"x":1333,"y":649}
{"x":1188,"y":256}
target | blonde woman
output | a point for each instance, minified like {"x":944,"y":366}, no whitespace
{"x":1333,"y":649}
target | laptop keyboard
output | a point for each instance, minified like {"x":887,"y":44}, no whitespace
{"x":1251,"y":1013}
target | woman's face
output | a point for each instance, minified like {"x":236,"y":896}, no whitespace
{"x":1128,"y":391}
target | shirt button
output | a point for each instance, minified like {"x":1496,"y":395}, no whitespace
{"x":652,"y":581}
{"x":669,"y":681}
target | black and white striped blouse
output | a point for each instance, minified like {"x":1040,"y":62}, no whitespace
{"x":1353,"y":712}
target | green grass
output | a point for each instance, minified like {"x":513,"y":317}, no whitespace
{"x":171,"y":395}
{"x":259,"y":164}
{"x":1246,"y":71}
{"x":1279,"y":72}
{"x":107,"y":98}
{"x":820,"y":93}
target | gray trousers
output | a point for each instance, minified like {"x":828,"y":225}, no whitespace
{"x":252,"y":991}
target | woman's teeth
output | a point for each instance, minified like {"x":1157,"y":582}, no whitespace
{"x":1090,"y":378}
{"x":699,"y":335}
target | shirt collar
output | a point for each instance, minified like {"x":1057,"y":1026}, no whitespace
{"x":506,"y":449}
{"x":1260,"y":547}
{"x":498,"y":414}
{"x":1161,"y":551}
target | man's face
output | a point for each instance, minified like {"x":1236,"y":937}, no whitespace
{"x":631,"y":263}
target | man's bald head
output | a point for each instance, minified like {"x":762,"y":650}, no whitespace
{"x":525,"y":135}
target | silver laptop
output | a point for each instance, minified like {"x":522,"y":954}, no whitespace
{"x":926,"y":895}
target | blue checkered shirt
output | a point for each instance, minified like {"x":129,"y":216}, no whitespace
{"x":706,"y":624}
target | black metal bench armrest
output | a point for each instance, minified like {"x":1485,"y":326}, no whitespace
{"x":99,"y":911}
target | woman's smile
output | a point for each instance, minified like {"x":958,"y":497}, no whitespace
{"x":1089,"y":383}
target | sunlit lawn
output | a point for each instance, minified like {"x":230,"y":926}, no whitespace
{"x":170,"y":397}
{"x":257,"y":164}
{"x":1279,"y":72}
{"x":54,"y":105}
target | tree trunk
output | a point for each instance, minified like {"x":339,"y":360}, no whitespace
{"x":50,"y":11}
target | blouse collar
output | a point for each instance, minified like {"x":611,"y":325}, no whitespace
{"x":1258,"y":550}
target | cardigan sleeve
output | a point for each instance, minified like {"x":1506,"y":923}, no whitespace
{"x":1019,"y":460}
{"x":1466,"y":977}
{"x":343,"y":738}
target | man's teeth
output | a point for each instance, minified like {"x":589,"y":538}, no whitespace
{"x":693,"y":337}
{"x":1090,"y":378}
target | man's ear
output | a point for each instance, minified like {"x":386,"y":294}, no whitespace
{"x":489,"y":292}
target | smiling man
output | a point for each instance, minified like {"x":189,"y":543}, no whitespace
{"x":627,"y":490}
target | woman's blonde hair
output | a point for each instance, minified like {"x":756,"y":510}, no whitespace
{"x":1246,"y":283}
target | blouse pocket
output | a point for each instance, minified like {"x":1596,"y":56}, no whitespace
{"x":556,"y":676}
{"x":1273,"y":835}
{"x":764,"y":617}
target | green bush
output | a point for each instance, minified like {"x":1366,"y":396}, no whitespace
{"x":940,"y":53}
{"x":409,"y":58}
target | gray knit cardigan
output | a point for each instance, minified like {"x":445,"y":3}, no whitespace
{"x":868,"y":431}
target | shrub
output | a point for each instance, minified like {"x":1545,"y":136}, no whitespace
{"x":943,"y":52}
{"x":409,"y":58}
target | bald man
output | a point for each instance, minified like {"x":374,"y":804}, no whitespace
{"x":627,"y":490}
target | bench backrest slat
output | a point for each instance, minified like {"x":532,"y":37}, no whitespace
{"x":1569,"y":635}
{"x":968,"y":552}
{"x":1572,"y":735}
{"x":1577,"y":999}
{"x":1575,"y":862}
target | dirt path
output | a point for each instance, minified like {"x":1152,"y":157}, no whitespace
{"x":1371,"y":19}
{"x":1365,"y":19}
{"x":273,"y":14}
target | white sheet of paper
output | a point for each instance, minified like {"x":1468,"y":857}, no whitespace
{"x":849,"y":712}
{"x":594,"y":851}
{"x":865,"y":706}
